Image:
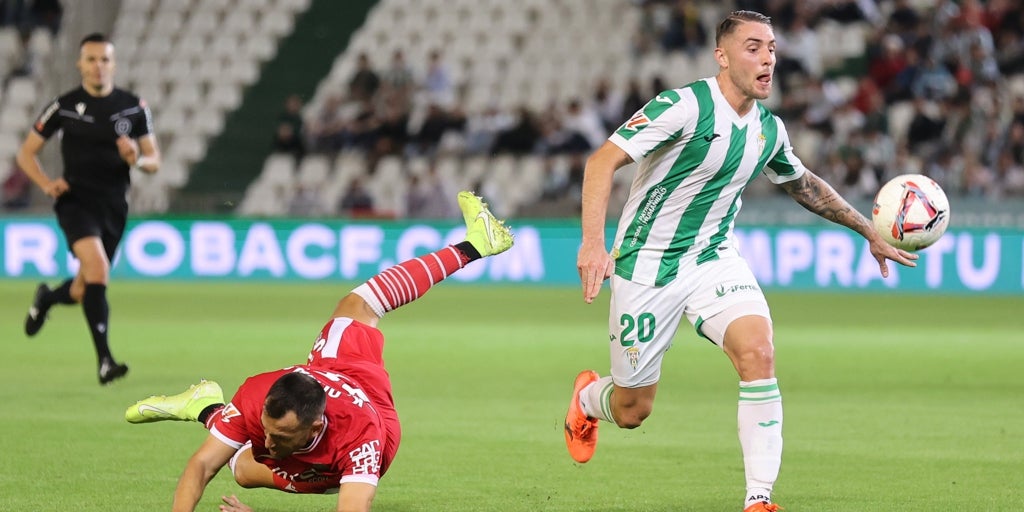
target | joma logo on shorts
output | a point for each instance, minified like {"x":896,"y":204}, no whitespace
{"x":721,"y":291}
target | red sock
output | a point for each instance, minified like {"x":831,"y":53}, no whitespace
{"x":409,"y":280}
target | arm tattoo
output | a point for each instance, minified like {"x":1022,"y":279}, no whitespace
{"x":818,"y":197}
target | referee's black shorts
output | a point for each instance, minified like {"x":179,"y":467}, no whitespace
{"x":81,"y":216}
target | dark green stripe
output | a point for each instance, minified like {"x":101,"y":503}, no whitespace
{"x":770,"y":132}
{"x":697,"y":211}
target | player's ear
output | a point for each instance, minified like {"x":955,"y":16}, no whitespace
{"x":720,"y":57}
{"x":317,"y":426}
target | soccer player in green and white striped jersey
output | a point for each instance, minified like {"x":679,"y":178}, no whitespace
{"x":674,"y":254}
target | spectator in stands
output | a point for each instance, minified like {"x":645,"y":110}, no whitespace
{"x":978,"y":179}
{"x":933,"y":82}
{"x":887,"y":64}
{"x":438,"y":83}
{"x":326,"y":129}
{"x":363,"y":84}
{"x":1010,"y":174}
{"x":292,"y":115}
{"x":633,"y":100}
{"x":925,"y":128}
{"x":609,"y":105}
{"x":305,"y":202}
{"x":860,"y":181}
{"x":483,"y":129}
{"x":435,"y":124}
{"x":357,"y":201}
{"x":47,"y":14}
{"x":1010,"y":51}
{"x":426,"y":197}
{"x":519,"y":139}
{"x":685,"y":31}
{"x":397,"y":83}
{"x":583,"y":119}
{"x":287,"y":141}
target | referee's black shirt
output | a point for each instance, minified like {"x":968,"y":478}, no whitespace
{"x":91,"y":126}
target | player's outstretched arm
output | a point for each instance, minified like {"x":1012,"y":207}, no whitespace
{"x":200,"y":469}
{"x":593,"y":261}
{"x":818,"y":197}
{"x":355,"y":497}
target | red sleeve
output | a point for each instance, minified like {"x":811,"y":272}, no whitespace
{"x":239,"y":420}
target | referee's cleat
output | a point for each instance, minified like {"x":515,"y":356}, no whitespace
{"x":488,"y":235}
{"x":580,"y":429}
{"x":111,"y":370}
{"x":763,"y":506}
{"x":185,"y":406}
{"x":37,"y":312}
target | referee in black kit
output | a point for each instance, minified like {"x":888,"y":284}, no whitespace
{"x":106,"y":132}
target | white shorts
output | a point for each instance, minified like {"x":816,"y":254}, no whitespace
{"x":644,"y":319}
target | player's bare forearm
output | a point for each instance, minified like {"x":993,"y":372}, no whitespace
{"x":200,"y":469}
{"x":190,"y":487}
{"x":818,"y":197}
{"x":593,"y":262}
{"x":356,"y":497}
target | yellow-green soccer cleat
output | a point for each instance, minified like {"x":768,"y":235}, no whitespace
{"x":185,"y":406}
{"x":488,"y":235}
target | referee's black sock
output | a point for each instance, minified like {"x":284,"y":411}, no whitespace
{"x":97,"y":314}
{"x":60,"y":294}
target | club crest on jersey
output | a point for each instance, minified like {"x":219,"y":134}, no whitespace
{"x":80,"y":108}
{"x":761,"y":141}
{"x":639,"y":120}
{"x":229,"y":411}
{"x":633,"y":355}
{"x":123,"y":126}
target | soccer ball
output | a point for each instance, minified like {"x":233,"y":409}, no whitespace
{"x":911,"y":212}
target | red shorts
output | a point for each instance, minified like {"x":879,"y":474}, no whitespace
{"x":357,"y":351}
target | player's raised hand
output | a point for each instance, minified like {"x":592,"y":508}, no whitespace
{"x":232,"y":504}
{"x":882,"y":251}
{"x":594,"y":265}
{"x":128,"y":148}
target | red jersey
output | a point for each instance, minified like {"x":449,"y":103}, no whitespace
{"x":361,"y":432}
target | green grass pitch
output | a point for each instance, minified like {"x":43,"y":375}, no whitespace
{"x":893,"y":402}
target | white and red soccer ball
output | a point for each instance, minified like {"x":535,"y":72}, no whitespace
{"x":911,"y":212}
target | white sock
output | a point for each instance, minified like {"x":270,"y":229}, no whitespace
{"x":595,"y":399}
{"x":759,"y":417}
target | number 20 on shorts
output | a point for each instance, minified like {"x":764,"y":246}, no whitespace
{"x":642,"y":325}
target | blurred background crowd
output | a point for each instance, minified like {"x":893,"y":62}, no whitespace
{"x":509,"y":98}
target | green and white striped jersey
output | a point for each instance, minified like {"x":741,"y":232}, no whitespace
{"x":696,"y":157}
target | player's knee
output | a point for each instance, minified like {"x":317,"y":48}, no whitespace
{"x":632,"y":413}
{"x":756,"y":360}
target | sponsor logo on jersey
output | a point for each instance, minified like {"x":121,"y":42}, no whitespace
{"x":723,"y":290}
{"x":366,"y":458}
{"x":639,"y":120}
